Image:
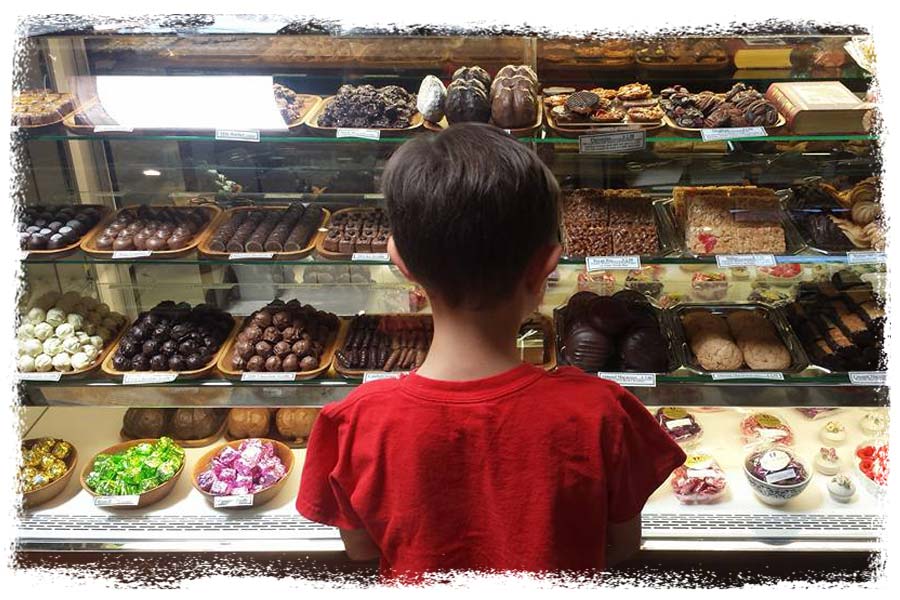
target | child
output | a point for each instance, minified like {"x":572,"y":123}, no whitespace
{"x":477,"y":460}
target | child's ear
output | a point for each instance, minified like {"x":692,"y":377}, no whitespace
{"x":398,"y":260}
{"x":542,"y":264}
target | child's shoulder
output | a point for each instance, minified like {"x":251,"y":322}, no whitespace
{"x":372,"y":392}
{"x":573,"y":387}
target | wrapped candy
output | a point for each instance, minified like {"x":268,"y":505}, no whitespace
{"x":699,"y":480}
{"x":138,"y":469}
{"x":43,"y":462}
{"x":248,"y":469}
{"x":766,"y":428}
{"x":679,"y":424}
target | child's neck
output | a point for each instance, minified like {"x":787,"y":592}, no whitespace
{"x":471,"y":344}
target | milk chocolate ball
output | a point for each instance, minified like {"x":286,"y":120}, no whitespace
{"x":262,"y":319}
{"x":282,"y":348}
{"x":263,"y":349}
{"x":290,"y":335}
{"x":271,"y":335}
{"x":251,"y":333}
{"x":238,"y":363}
{"x":308,"y":363}
{"x":273,"y":363}
{"x":281,"y":319}
{"x":244,"y":349}
{"x":255,"y":363}
{"x":123,"y":243}
{"x":156,"y":244}
{"x":301,"y":347}
{"x":290,"y":363}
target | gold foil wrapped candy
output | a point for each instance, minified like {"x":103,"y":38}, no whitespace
{"x":43,"y":463}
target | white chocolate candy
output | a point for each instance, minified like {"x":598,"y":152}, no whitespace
{"x":64,"y":331}
{"x":55,"y":317}
{"x":96,"y":341}
{"x":36,"y":315}
{"x":43,"y":363}
{"x":75,"y":320}
{"x":25,"y":331}
{"x":52,"y":346}
{"x":33,"y":347}
{"x":90,"y":350}
{"x":62,"y":362}
{"x":26,"y":364}
{"x":71,"y":344}
{"x":80,"y":360}
{"x":82,"y":337}
{"x":42,"y":331}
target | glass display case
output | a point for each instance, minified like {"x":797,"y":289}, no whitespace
{"x":688,"y":195}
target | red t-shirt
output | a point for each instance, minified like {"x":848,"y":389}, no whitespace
{"x":519,"y":471}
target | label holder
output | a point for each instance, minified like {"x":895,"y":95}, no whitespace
{"x":238,"y":135}
{"x":607,"y":263}
{"x":631,"y":379}
{"x":259,"y":376}
{"x":128,"y":500}
{"x":236,"y":501}
{"x":725,"y":261}
{"x":613,"y":142}
{"x":731,"y":133}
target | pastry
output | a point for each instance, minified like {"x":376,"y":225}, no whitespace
{"x":741,"y":106}
{"x":39,"y":107}
{"x":634,"y":91}
{"x":709,"y":286}
{"x":651,"y":114}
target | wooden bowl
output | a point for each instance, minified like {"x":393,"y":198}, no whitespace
{"x":147,"y":498}
{"x":260,"y":498}
{"x":54,"y":488}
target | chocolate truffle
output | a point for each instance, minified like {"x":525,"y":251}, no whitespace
{"x":238,"y":363}
{"x":290,"y":363}
{"x":262,"y":319}
{"x":244,"y":349}
{"x":281,"y":319}
{"x":158,"y":362}
{"x":263,"y":349}
{"x":255,"y":363}
{"x":282,"y":348}
{"x":271,"y":335}
{"x":139,"y":362}
{"x":273,"y":363}
{"x":308,"y":363}
{"x":251,"y":333}
{"x":123,"y":243}
{"x":149,"y":348}
{"x":186,"y":348}
{"x":195,"y":362}
{"x":121,"y":362}
{"x":290,"y":335}
{"x":301,"y":347}
{"x":177,"y":363}
{"x":155,"y":244}
{"x":168,"y":348}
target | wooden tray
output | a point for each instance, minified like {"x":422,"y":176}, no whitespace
{"x":89,"y":247}
{"x":97,"y":361}
{"x":298,"y":443}
{"x":345,"y":331}
{"x":260,"y":498}
{"x":225,"y":216}
{"x":54,"y":488}
{"x":147,"y":498}
{"x":74,"y":245}
{"x":320,"y":242}
{"x":311,"y":101}
{"x":188,"y":443}
{"x":53,"y":125}
{"x":695,"y":131}
{"x":517,"y":132}
{"x":226,"y":353}
{"x":573,"y":130}
{"x":111,"y":371}
{"x":312,"y":123}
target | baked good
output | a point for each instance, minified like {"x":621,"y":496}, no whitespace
{"x":467,"y":100}
{"x":249,"y":422}
{"x":385,"y":343}
{"x":609,"y":222}
{"x":646,"y":280}
{"x":741,"y":106}
{"x":364,"y":106}
{"x":38,"y":107}
{"x":709,"y":286}
{"x":645,"y":114}
{"x":634,"y":91}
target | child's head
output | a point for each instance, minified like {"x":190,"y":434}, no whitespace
{"x":474,"y":216}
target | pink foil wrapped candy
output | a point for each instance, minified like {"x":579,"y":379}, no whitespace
{"x":249,"y":469}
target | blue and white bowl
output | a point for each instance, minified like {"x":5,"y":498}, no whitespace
{"x":776,"y":494}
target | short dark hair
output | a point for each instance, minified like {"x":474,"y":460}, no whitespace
{"x":468,"y":209}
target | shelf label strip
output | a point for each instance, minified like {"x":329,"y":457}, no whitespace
{"x":233,"y":501}
{"x":366,"y":134}
{"x":52,"y":376}
{"x":145,"y":378}
{"x":379,"y":375}
{"x":769,"y":375}
{"x":255,"y":376}
{"x":250,"y":255}
{"x":616,"y":142}
{"x":113,"y":129}
{"x":860,"y":257}
{"x":631,"y":379}
{"x":130,"y":500}
{"x":238,"y":135}
{"x":371,"y":256}
{"x":604,"y":263}
{"x":128,"y":254}
{"x":731,"y":133}
{"x":868,"y":377}
{"x":724,"y":261}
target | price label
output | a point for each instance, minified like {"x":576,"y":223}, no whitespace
{"x":366,"y":134}
{"x":617,"y":142}
{"x":725,"y":261}
{"x":371,"y":256}
{"x":131,"y":500}
{"x":233,"y":501}
{"x":52,"y":376}
{"x":781,"y":476}
{"x":774,"y":460}
{"x":858,"y":257}
{"x":250,"y":255}
{"x":631,"y":379}
{"x":238,"y":135}
{"x":603,"y":263}
{"x":113,"y":129}
{"x":128,"y":254}
{"x":379,"y":375}
{"x":868,"y":377}
{"x":678,"y":423}
{"x":149,"y":378}
{"x":731,"y":133}
{"x":725,"y":376}
{"x":254,"y":376}
{"x":702,"y":473}
{"x":373,"y":196}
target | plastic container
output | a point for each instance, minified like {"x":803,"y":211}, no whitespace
{"x":766,"y":428}
{"x":680,"y":425}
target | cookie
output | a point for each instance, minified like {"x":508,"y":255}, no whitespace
{"x":715,"y":352}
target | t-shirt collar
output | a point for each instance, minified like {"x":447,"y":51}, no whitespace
{"x":473,"y":390}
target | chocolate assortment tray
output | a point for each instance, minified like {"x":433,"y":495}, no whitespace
{"x":372,"y":220}
{"x":744,"y":235}
{"x":718,"y":331}
{"x":606,"y":101}
{"x":90,"y":244}
{"x":305,"y":246}
{"x":696,"y":131}
{"x":610,"y":55}
{"x":382,"y":343}
{"x":313,"y":116}
{"x":741,"y":106}
{"x":73,"y":246}
{"x":92,"y":119}
{"x":622,"y":333}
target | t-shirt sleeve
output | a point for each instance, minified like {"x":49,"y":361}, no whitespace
{"x":639,"y":456}
{"x":321,"y":497}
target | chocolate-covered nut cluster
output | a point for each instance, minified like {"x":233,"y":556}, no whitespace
{"x":388,"y":107}
{"x":55,"y":227}
{"x":609,"y":223}
{"x":386,"y":343}
{"x":173,"y":337}
{"x":284,"y":336}
{"x":291,"y":105}
{"x":364,"y":230}
{"x":152,"y":228}
{"x":259,"y":230}
{"x":741,"y":106}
